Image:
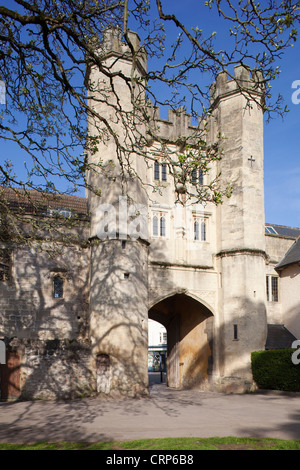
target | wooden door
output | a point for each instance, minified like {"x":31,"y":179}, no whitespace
{"x":10,"y":376}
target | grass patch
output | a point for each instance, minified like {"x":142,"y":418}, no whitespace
{"x":190,"y":443}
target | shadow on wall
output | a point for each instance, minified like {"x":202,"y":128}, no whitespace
{"x":59,"y":359}
{"x":67,"y":352}
{"x":119,"y":315}
{"x":49,"y":335}
{"x":189,"y":326}
{"x":202,"y":355}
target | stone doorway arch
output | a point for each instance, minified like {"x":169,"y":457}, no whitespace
{"x":189,"y":326}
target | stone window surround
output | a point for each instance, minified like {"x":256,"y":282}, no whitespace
{"x":160,"y":171}
{"x":203,"y":228}
{"x":272,"y":288}
{"x":64,"y":275}
{"x":160,"y":214}
{"x":5,"y":265}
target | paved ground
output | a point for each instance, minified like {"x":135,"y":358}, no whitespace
{"x":166,"y":413}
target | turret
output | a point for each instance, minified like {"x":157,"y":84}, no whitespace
{"x":238,"y":116}
{"x":119,"y":254}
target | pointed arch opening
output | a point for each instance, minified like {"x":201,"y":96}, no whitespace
{"x":157,"y":352}
{"x":189,"y":327}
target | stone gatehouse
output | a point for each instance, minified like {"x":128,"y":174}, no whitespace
{"x":74,"y":314}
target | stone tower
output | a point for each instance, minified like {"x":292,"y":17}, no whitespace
{"x":241,"y":323}
{"x":118,"y":272}
{"x":209,"y":293}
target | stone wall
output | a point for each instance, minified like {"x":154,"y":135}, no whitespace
{"x":49,"y":335}
{"x":53,"y":369}
{"x":276,"y":248}
{"x":290,"y":285}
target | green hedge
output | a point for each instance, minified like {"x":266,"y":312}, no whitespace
{"x":274,"y":370}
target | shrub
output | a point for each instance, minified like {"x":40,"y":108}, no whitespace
{"x":274,"y":370}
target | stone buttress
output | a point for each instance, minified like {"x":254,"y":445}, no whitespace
{"x":241,"y":325}
{"x":119,"y":257}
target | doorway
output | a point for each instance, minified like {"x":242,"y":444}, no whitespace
{"x":189,"y":327}
{"x":157,"y":352}
{"x":10,"y":376}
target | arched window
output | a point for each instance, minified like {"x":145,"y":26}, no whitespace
{"x":194,"y":176}
{"x":159,"y":224}
{"x":5,"y":265}
{"x":203,"y":231}
{"x":197,"y":177}
{"x":160,"y":171}
{"x":155,"y":226}
{"x":196,"y":230}
{"x":156,"y":171}
{"x":58,"y":287}
{"x":164,"y":172}
{"x":162,"y":227}
{"x":201,"y":177}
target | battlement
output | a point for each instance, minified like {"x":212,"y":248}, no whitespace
{"x":112,"y":44}
{"x":177,"y":125}
{"x":244,"y":80}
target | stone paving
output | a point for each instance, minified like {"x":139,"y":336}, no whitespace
{"x":165,"y":413}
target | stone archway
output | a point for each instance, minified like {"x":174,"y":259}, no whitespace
{"x":189,"y":326}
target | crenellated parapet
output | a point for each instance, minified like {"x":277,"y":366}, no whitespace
{"x":178,"y":124}
{"x":249,"y":83}
{"x":113,"y":45}
{"x":119,"y":52}
{"x":114,"y":50}
{"x":244,"y":80}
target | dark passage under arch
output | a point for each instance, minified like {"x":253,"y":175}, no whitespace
{"x":189,"y":326}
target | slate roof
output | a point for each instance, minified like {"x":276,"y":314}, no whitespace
{"x":292,"y":256}
{"x":281,"y":230}
{"x":279,"y":337}
{"x":36,"y":202}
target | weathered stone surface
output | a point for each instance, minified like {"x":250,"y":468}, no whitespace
{"x":210,"y":293}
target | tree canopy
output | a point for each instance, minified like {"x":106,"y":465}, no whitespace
{"x":47,"y":44}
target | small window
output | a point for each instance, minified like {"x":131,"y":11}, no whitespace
{"x":272,"y":288}
{"x":59,"y":212}
{"x":200,"y":230}
{"x":196,"y":230}
{"x":4,"y":272}
{"x":58,"y":287}
{"x":160,"y":171}
{"x":162,"y":337}
{"x":203,"y":231}
{"x":159,"y":225}
{"x":155,"y":226}
{"x":162,"y":227}
{"x":197,"y":176}
{"x":235,"y":332}
{"x":201,"y":177}
{"x":5,"y":265}
{"x":194,"y":176}
{"x":156,"y":171}
{"x":164,"y":172}
{"x":269,"y":229}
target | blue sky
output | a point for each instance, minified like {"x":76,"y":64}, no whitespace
{"x":282,"y":150}
{"x":281,"y":137}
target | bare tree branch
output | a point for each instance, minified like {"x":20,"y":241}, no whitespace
{"x":49,"y":48}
